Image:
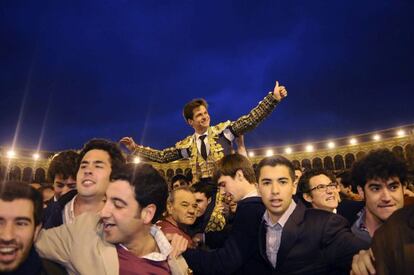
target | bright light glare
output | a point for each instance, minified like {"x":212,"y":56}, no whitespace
{"x":376,"y":137}
{"x":11,"y":154}
{"x":400,"y":133}
{"x":269,"y":153}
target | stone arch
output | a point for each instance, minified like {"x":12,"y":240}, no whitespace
{"x":328,"y":163}
{"x":179,"y":171}
{"x":27,"y":174}
{"x":398,"y":151}
{"x":317,"y":163}
{"x":409,"y":154}
{"x":3,"y":172}
{"x":349,"y":160}
{"x":306,"y":164}
{"x":15,"y":173}
{"x":360,"y":155}
{"x":170,"y":174}
{"x":40,"y":175}
{"x":339,"y":162}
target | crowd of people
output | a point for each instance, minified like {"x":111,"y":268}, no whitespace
{"x":107,"y":216}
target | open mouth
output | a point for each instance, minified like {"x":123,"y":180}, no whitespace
{"x":87,"y":183}
{"x":276,"y":202}
{"x":8,"y":254}
{"x":331,"y":198}
{"x":108,"y":226}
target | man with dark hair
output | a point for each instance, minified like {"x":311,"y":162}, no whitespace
{"x":21,"y":209}
{"x":320,"y":189}
{"x":178,"y":181}
{"x":208,"y":144}
{"x":347,"y":190}
{"x":96,"y":161}
{"x":294,"y":239}
{"x":236,"y":255}
{"x":380,"y":177}
{"x":181,"y":213}
{"x":62,"y":172}
{"x":122,"y":238}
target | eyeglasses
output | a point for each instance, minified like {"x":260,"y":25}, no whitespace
{"x":324,"y":187}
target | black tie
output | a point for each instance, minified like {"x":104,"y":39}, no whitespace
{"x":203,"y":148}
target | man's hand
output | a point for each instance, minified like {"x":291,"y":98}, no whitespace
{"x":178,"y":244}
{"x":362,"y":263}
{"x":128,"y":142}
{"x":279,"y":92}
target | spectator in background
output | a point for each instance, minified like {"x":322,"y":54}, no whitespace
{"x":178,"y":180}
{"x":346,"y":187}
{"x":62,"y":172}
{"x":181,"y":213}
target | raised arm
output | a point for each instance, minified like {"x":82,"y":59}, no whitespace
{"x":161,"y":156}
{"x":260,"y":112}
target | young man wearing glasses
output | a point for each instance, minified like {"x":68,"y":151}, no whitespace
{"x":320,"y":189}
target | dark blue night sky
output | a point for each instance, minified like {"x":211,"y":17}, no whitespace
{"x":73,"y":70}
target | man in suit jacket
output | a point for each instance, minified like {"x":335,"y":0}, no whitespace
{"x":237,"y":253}
{"x":319,"y":188}
{"x":294,"y":239}
{"x":123,"y":237}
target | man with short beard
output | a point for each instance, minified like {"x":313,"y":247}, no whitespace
{"x":20,"y":221}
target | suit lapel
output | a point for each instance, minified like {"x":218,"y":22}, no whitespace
{"x":290,"y":233}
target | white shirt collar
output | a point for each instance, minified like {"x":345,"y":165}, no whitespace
{"x":283,"y":219}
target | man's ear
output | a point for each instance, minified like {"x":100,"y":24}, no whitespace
{"x":148,"y":212}
{"x":239,"y":175}
{"x":361,"y":192}
{"x":307,"y":197}
{"x":190,"y":122}
{"x":208,"y":200}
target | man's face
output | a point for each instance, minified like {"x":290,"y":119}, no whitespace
{"x":93,"y":174}
{"x":382,"y":197}
{"x":183,"y":209}
{"x":324,"y":198}
{"x":121,"y":216}
{"x":17,"y":232}
{"x":201,"y":119}
{"x":202,"y":203}
{"x":232,"y":186}
{"x":62,"y":186}
{"x":276,"y":188}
